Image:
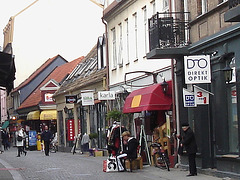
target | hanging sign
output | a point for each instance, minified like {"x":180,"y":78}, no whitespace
{"x":87,"y":98}
{"x":71,"y":132}
{"x":188,"y":98}
{"x":106,"y":95}
{"x":201,"y":95}
{"x":197,"y":69}
{"x":71,"y":99}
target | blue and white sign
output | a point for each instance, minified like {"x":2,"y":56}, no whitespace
{"x":197,"y":69}
{"x":32,"y":138}
{"x":188,"y":99}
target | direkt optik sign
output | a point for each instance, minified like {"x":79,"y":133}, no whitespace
{"x":197,"y":69}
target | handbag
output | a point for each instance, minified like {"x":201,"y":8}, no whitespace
{"x":180,"y":149}
{"x":110,"y":165}
{"x":19,"y":138}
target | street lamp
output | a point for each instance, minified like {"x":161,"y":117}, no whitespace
{"x":228,"y":73}
{"x":164,"y":86}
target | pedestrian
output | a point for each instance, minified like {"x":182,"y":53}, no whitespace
{"x":47,"y":138}
{"x":5,"y":138}
{"x":189,"y":142}
{"x":85,"y":142}
{"x":19,"y":141}
{"x":130,"y":150}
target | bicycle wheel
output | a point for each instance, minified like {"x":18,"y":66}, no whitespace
{"x":166,"y":163}
{"x":156,"y":161}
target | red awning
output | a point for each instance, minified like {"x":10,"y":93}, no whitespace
{"x":150,"y":98}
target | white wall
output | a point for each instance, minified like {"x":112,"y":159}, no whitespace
{"x":134,"y":62}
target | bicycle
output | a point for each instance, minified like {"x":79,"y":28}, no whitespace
{"x":160,"y":157}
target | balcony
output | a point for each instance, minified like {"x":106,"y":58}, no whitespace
{"x":233,"y":14}
{"x":168,"y":32}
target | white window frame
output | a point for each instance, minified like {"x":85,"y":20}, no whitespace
{"x":136,"y":34}
{"x":120,"y":52}
{"x":114,"y":48}
{"x":127,"y":41}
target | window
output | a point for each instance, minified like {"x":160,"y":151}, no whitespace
{"x":127,"y":40}
{"x":135,"y":34}
{"x":100,"y":50}
{"x":201,"y":7}
{"x":114,"y":48}
{"x":145,"y":20}
{"x":153,"y":7}
{"x":165,"y":5}
{"x":232,"y":113}
{"x":221,"y":1}
{"x":120,"y":52}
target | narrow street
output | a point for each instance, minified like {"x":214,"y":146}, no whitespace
{"x":62,"y":166}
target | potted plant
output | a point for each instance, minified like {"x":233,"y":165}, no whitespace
{"x":114,"y":115}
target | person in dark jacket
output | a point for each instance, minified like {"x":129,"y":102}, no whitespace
{"x":130,"y":150}
{"x":47,"y":138}
{"x":189,"y":142}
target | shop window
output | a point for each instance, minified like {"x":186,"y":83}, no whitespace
{"x":232,"y":112}
{"x":232,"y":119}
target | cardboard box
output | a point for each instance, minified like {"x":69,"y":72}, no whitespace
{"x":136,"y":164}
{"x":98,"y":153}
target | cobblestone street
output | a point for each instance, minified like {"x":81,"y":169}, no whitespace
{"x":62,"y":166}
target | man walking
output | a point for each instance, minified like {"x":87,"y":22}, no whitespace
{"x":47,"y":138}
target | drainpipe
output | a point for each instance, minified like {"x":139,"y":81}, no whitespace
{"x":107,"y":61}
{"x":174,"y":112}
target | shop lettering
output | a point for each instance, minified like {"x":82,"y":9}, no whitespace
{"x":106,"y":95}
{"x":87,"y":98}
{"x":197,"y":75}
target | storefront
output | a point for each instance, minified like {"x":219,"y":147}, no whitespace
{"x":152,"y":108}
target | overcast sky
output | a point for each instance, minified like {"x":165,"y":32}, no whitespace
{"x":50,"y":27}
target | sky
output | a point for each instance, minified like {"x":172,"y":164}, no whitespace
{"x":48,"y":28}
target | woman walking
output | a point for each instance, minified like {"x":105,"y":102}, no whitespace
{"x":20,"y":141}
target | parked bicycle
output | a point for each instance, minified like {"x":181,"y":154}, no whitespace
{"x":160,"y":156}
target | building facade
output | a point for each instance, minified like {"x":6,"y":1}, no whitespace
{"x":216,"y":124}
{"x":130,"y":73}
{"x":78,"y":104}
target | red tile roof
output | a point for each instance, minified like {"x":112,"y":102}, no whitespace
{"x":59,"y":74}
{"x":34,"y":74}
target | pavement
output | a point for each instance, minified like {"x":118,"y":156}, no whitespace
{"x":62,"y":165}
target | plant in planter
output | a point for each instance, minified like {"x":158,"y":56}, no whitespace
{"x":114,"y":115}
{"x":93,"y":137}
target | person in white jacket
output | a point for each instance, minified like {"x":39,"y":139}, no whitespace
{"x":20,"y":141}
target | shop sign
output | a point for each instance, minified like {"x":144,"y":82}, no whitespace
{"x":70,"y":132}
{"x":32,"y":138}
{"x":197,"y":69}
{"x":201,"y":95}
{"x":188,"y":98}
{"x":87,"y":98}
{"x":106,"y":95}
{"x":48,"y":97}
{"x":71,"y":99}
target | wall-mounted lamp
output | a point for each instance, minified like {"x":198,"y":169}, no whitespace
{"x":164,"y":86}
{"x":65,"y":109}
{"x":228,"y":73}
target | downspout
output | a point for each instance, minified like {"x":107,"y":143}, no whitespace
{"x":107,"y":61}
{"x":107,"y":56}
{"x":174,"y":112}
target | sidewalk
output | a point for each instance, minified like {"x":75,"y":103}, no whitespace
{"x":78,"y":165}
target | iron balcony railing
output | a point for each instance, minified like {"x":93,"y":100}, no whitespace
{"x":169,"y":30}
{"x":233,"y":3}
